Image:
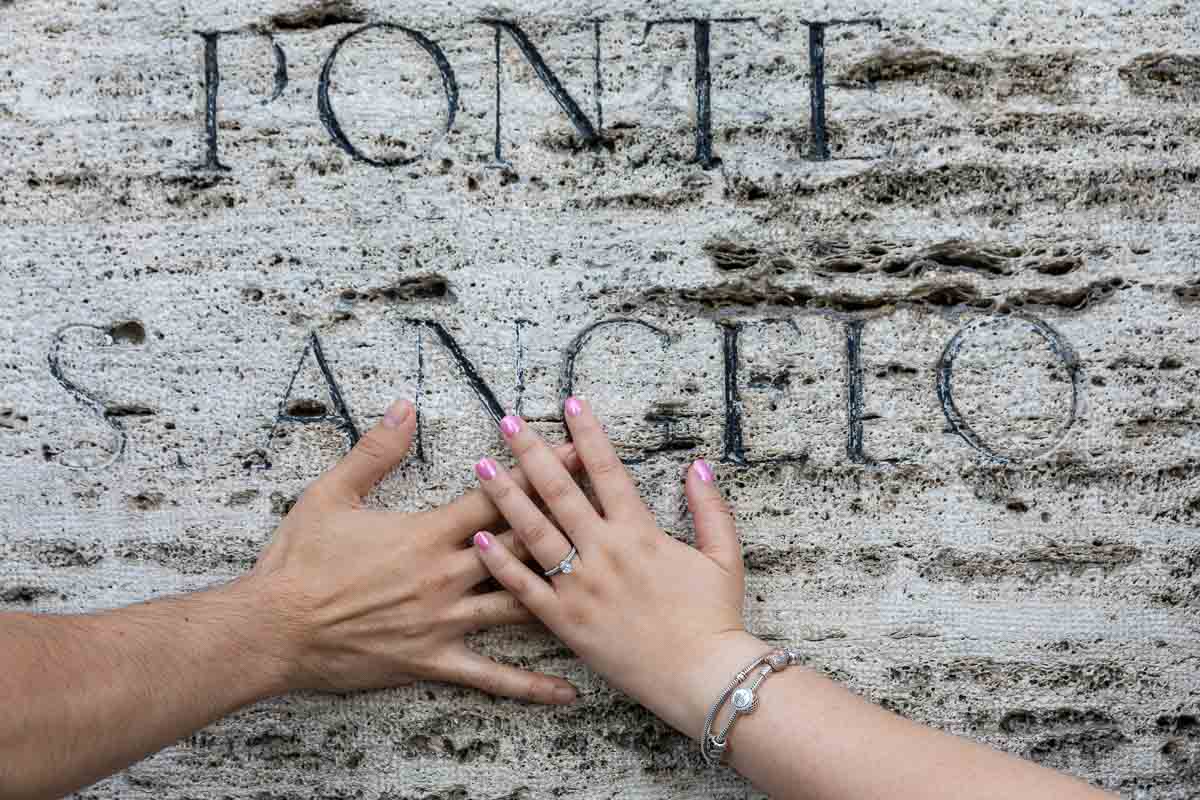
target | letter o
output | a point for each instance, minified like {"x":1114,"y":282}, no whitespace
{"x":325,"y":107}
{"x":1058,"y":346}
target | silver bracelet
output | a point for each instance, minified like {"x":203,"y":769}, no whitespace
{"x":713,"y":748}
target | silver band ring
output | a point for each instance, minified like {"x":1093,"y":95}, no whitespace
{"x":564,"y":567}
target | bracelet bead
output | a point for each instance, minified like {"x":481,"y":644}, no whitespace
{"x":744,"y":700}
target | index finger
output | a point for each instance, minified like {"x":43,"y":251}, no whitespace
{"x":566,"y":501}
{"x":475,"y":511}
{"x":613,"y":484}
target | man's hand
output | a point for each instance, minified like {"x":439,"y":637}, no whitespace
{"x":343,"y":598}
{"x":372,"y":598}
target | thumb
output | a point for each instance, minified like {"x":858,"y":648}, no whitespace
{"x":376,"y":453}
{"x":716,"y":535}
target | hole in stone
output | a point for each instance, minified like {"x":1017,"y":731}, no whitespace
{"x":1061,"y":266}
{"x":843,"y":265}
{"x":128,"y":332}
{"x":1170,"y":362}
{"x":306,"y":408}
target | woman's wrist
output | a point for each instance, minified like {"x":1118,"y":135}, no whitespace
{"x":706,"y":676}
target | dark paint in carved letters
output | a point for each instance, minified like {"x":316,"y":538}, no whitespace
{"x":590,"y":133}
{"x":734,"y":448}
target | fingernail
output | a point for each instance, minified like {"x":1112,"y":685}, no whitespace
{"x":703,"y":470}
{"x":397,"y":412}
{"x":483,"y":541}
{"x":573,"y":406}
{"x":510,"y":425}
{"x":564,"y":695}
{"x":485,"y":468}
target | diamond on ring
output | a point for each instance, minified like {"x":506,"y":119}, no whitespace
{"x":565,"y":567}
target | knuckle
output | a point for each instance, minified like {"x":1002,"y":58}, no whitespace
{"x":713,"y":504}
{"x":414,"y":629}
{"x":517,"y":475}
{"x":371,"y":446}
{"x":649,"y":545}
{"x":557,"y":489}
{"x":516,"y":581}
{"x":578,"y":615}
{"x":607,"y":467}
{"x":503,"y":491}
{"x":474,"y":618}
{"x":618,"y":558}
{"x":478,"y":614}
{"x":518,"y":548}
{"x":436,"y":584}
{"x":490,"y":682}
{"x":523,"y":445}
{"x":512,"y":606}
{"x":534,"y":533}
{"x":604,"y":561}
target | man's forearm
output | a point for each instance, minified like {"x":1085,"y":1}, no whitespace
{"x":86,"y":695}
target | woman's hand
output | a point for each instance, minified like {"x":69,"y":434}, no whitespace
{"x":660,"y":619}
{"x":367,"y":599}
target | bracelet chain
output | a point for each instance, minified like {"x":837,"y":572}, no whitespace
{"x":713,"y":748}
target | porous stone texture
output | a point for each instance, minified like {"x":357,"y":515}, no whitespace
{"x":947,"y":376}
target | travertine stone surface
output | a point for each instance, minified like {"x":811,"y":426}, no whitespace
{"x":960,"y":429}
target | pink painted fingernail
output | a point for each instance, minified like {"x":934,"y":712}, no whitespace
{"x":573,"y":406}
{"x":397,"y":412}
{"x":485,"y":468}
{"x":703,"y":470}
{"x":510,"y":425}
{"x":483,"y":541}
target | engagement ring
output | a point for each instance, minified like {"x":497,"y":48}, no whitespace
{"x":564,"y":566}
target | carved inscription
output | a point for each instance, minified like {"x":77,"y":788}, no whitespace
{"x":588,"y":129}
{"x":735,"y":449}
